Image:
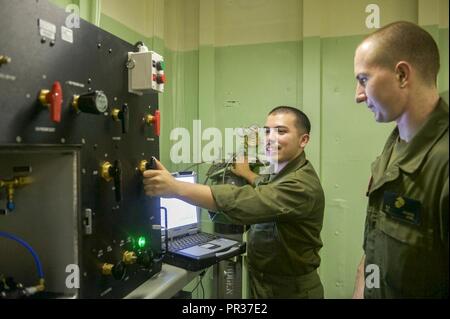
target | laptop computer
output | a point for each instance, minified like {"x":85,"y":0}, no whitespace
{"x":185,"y":244}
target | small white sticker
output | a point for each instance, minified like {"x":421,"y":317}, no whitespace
{"x":7,"y":77}
{"x":73,"y":83}
{"x":47,"y":29}
{"x":45,"y":129}
{"x":67,"y":34}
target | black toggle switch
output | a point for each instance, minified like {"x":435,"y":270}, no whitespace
{"x":145,"y":258}
{"x":115,"y":172}
{"x":151,"y":164}
{"x":123,"y":116}
{"x":119,"y":271}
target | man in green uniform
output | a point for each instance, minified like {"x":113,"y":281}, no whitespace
{"x":285,"y":210}
{"x":406,"y":241}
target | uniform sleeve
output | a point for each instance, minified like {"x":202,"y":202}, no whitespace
{"x":366,"y":230}
{"x":281,"y":201}
{"x":259,"y":180}
{"x":444,"y":202}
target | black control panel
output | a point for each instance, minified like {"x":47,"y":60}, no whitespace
{"x":67,"y":115}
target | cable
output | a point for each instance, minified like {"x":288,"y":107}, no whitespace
{"x":203,"y":288}
{"x":166,"y":230}
{"x":202,"y":274}
{"x":192,"y":166}
{"x":226,"y":166}
{"x":30,"y":249}
{"x":198,"y":283}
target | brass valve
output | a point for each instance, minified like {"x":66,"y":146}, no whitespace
{"x":113,"y":172}
{"x":149,"y":119}
{"x":129,"y":257}
{"x":107,"y":269}
{"x":43,"y":97}
{"x":121,"y":115}
{"x":142,"y":166}
{"x":10,"y":186}
{"x":118,"y":271}
{"x":154,"y":120}
{"x":4,"y":59}
{"x":115,"y":114}
{"x":105,"y":171}
{"x":75,"y":99}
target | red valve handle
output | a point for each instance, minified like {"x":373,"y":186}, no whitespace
{"x":157,"y":124}
{"x":161,"y":78}
{"x":54,"y":99}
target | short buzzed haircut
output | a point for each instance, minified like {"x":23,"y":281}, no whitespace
{"x":406,"y":41}
{"x":302,"y":122}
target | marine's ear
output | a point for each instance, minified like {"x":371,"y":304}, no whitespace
{"x":403,"y":73}
{"x":304,"y":139}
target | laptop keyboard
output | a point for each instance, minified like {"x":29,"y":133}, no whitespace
{"x":189,"y":241}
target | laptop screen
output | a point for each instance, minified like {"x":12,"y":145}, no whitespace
{"x":180,"y":215}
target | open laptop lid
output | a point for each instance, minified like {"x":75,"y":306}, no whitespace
{"x":182,"y":217}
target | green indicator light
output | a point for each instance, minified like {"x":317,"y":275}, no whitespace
{"x":141,"y":242}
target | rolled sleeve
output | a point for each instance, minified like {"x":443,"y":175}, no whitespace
{"x":224,"y":196}
{"x":258,"y":180}
{"x":282,"y":201}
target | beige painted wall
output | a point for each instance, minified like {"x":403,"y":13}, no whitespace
{"x":245,"y":22}
{"x":135,"y":14}
{"x":331,"y":18}
{"x":443,"y":13}
{"x":239,"y":22}
{"x":433,"y":12}
{"x":182,"y":18}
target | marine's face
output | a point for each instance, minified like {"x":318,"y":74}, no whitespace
{"x":377,"y":86}
{"x":283,"y":140}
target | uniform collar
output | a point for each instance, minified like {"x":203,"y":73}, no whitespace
{"x":412,"y":156}
{"x":293,"y":165}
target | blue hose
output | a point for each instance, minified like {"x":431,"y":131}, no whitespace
{"x":30,"y":249}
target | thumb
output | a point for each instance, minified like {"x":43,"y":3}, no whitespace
{"x":159,"y":166}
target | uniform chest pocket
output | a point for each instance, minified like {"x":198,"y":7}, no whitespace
{"x":402,"y":219}
{"x":404,"y":209}
{"x":403,"y":254}
{"x":400,"y":231}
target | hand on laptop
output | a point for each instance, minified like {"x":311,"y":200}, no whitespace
{"x":159,"y":182}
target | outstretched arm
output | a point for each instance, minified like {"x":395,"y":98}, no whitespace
{"x":159,"y":182}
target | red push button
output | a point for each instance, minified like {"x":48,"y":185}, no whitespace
{"x":161,"y":79}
